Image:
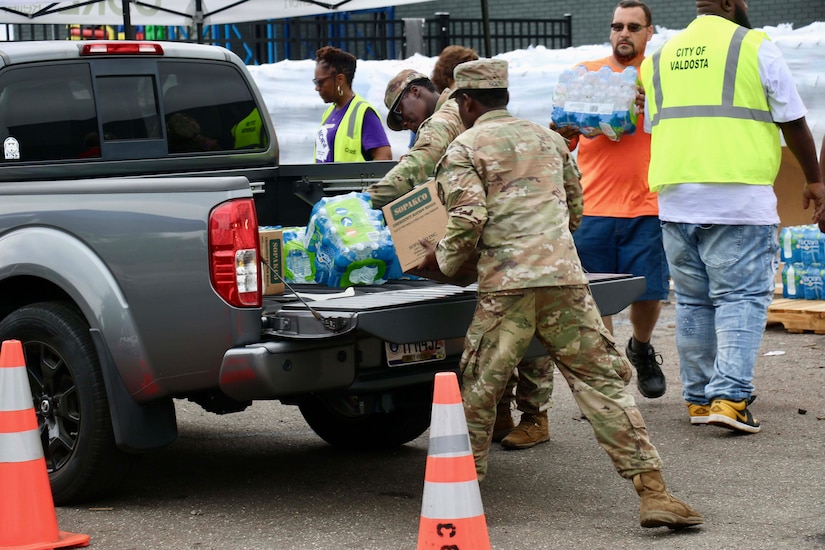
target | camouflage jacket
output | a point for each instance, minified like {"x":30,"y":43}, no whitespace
{"x":416,"y":167}
{"x":512,"y":191}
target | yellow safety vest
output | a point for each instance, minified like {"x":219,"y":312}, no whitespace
{"x":347,"y":146}
{"x":248,"y":132}
{"x":711,"y":120}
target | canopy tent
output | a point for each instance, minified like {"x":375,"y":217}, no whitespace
{"x":175,"y":12}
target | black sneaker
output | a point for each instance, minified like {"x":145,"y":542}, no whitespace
{"x":649,"y":377}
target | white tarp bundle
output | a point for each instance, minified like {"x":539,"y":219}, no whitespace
{"x":296,"y":107}
{"x":176,"y":12}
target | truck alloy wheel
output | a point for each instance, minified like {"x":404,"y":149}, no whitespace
{"x":69,"y":399}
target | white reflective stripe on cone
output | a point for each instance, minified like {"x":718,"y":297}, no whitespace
{"x":15,"y":394}
{"x":20,"y":446}
{"x":448,"y":420}
{"x":459,"y":500}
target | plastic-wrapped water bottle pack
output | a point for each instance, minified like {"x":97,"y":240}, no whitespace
{"x":350,"y":243}
{"x":802,"y":249}
{"x":596,"y":102}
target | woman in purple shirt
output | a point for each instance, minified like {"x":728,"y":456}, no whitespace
{"x":351,"y":130}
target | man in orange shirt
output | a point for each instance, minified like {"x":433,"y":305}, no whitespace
{"x":620,"y":231}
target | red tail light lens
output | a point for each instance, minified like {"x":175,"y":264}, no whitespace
{"x":234,"y":254}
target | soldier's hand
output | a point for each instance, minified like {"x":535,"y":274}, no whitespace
{"x":428,"y":262}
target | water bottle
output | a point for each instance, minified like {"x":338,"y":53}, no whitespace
{"x":791,"y":279}
{"x":299,"y":263}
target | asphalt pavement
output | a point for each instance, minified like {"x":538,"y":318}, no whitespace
{"x":261,"y":479}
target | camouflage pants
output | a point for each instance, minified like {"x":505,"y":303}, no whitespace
{"x":567,"y":321}
{"x":532,"y":386}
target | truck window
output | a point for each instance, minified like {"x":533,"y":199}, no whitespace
{"x":208,"y":107}
{"x":47,"y":113}
{"x":128,"y":108}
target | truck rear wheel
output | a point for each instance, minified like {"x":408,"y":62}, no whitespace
{"x":70,"y":401}
{"x":341,"y":420}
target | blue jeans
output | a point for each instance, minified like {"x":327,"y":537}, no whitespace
{"x":724,"y":280}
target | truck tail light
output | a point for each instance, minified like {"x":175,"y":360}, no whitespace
{"x":126,"y":48}
{"x":234,"y":254}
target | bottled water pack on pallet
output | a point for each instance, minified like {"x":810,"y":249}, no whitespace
{"x":596,"y":102}
{"x":802,"y":249}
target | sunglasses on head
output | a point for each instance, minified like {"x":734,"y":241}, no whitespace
{"x":632,"y":27}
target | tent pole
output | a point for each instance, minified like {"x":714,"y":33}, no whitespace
{"x":128,"y":31}
{"x":199,"y":20}
{"x":485,"y":17}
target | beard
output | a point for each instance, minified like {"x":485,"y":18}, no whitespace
{"x":627,"y":53}
{"x":740,"y":17}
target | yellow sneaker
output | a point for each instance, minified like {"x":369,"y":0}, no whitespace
{"x":733,"y":415}
{"x":698,"y":413}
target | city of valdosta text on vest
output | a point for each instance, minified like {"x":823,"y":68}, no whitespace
{"x":689,"y":58}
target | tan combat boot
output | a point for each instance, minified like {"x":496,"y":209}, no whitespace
{"x":504,"y":421}
{"x":532,"y":429}
{"x":659,"y":508}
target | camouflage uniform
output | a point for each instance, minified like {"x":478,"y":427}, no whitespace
{"x":512,"y":191}
{"x":414,"y":168}
{"x":534,"y":386}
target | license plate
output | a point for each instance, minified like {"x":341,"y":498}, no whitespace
{"x":417,"y":352}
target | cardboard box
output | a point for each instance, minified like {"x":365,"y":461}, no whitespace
{"x":420,"y":215}
{"x":272,"y":254}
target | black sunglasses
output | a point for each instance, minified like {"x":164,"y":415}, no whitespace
{"x":632,"y":27}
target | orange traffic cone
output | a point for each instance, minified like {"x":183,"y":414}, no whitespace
{"x":28,"y":520}
{"x":451,"y":512}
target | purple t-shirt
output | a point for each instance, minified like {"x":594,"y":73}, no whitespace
{"x":372,"y":134}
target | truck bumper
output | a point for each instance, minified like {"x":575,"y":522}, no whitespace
{"x":282,"y":368}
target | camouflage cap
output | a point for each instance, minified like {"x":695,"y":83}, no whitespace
{"x":481,"y":74}
{"x":395,"y":89}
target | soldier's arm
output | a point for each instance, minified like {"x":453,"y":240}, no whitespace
{"x":417,"y":166}
{"x":572,"y":189}
{"x":465,"y":199}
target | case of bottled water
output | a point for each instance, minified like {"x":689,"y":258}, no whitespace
{"x":351,"y":243}
{"x":596,"y":102}
{"x":802,"y":249}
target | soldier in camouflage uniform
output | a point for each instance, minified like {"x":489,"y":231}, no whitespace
{"x":414,"y":104}
{"x":511,"y":188}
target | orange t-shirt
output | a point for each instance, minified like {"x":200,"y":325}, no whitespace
{"x":614,"y":173}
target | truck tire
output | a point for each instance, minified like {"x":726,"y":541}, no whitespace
{"x":70,"y":401}
{"x":338,"y":421}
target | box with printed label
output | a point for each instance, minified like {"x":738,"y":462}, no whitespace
{"x":271,"y":260}
{"x":420,"y":215}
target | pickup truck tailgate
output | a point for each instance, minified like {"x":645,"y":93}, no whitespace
{"x":423,"y":313}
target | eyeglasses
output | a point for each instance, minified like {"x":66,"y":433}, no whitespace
{"x":632,"y":27}
{"x":319,"y":81}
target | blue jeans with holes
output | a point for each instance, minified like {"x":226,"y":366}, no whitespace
{"x":723,"y":279}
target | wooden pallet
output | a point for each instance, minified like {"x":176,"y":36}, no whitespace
{"x":798,"y":315}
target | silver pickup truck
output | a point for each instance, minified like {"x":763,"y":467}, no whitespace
{"x":133,"y":181}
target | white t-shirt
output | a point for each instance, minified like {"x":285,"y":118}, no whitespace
{"x":734,"y":203}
